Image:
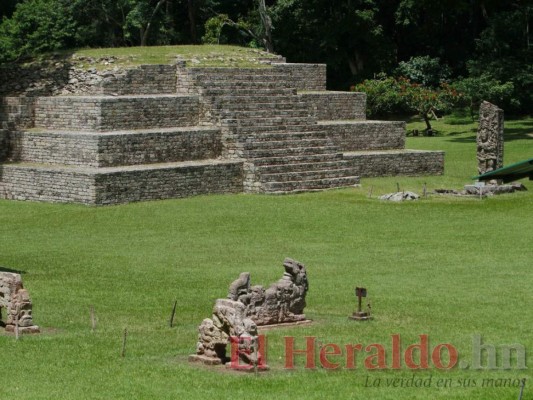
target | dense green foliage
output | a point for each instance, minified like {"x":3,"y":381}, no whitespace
{"x":440,"y":266}
{"x":478,"y":40}
{"x":388,"y":95}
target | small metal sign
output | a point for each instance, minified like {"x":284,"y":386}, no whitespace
{"x":360,"y":292}
{"x":361,"y":315}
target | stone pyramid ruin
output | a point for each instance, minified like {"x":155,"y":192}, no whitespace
{"x":170,"y":131}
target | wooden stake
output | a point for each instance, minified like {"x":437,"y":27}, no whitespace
{"x":522,"y":389}
{"x":425,"y":190}
{"x":371,"y":190}
{"x":17,"y":327}
{"x":398,"y":186}
{"x":123,"y":354}
{"x":173,"y":313}
{"x":93,"y":319}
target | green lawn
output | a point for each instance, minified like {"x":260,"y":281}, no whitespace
{"x":450,"y":268}
{"x":194,"y":56}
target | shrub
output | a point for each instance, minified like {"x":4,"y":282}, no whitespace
{"x":35,"y":27}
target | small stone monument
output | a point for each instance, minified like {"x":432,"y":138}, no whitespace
{"x":236,"y":318}
{"x":489,"y":138}
{"x":17,"y":303}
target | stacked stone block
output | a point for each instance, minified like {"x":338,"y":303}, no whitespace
{"x":146,"y":79}
{"x":116,"y":148}
{"x":16,"y":112}
{"x":101,"y":113}
{"x":396,"y":162}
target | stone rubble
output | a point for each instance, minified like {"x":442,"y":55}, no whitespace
{"x":400,"y":196}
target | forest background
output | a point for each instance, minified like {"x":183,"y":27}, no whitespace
{"x":407,"y":54}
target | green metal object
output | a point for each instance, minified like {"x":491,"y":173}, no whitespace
{"x":510,"y":173}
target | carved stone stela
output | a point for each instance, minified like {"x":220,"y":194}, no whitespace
{"x":489,"y":138}
{"x":245,"y":308}
{"x":17,"y":304}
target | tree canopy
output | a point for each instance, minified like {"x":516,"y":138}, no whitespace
{"x":479,"y":41}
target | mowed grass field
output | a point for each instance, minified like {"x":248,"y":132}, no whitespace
{"x":450,"y":268}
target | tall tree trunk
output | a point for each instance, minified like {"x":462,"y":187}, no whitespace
{"x":356,"y":63}
{"x":425,"y":115}
{"x":267,"y":26}
{"x":144,"y":36}
{"x":191,"y":11}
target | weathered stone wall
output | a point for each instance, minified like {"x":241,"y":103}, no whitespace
{"x":330,"y":105}
{"x":294,"y":76}
{"x":37,"y":79}
{"x":117,"y":148}
{"x":366,"y":135}
{"x":51,"y":185}
{"x":222,"y":80}
{"x":402,"y":162}
{"x":119,"y":185}
{"x":54,"y":148}
{"x":172,"y":145}
{"x":59,"y":77}
{"x":17,"y":112}
{"x":141,"y":184}
{"x":145,"y":79}
{"x":116,"y":113}
{"x":304,"y":76}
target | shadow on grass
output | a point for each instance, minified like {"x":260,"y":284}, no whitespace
{"x":515,"y":129}
{"x":13,"y":271}
{"x":524,"y":130}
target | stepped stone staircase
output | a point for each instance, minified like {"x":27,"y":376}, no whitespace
{"x":200,"y":130}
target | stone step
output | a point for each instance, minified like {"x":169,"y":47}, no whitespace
{"x":229,"y":74}
{"x":339,"y":163}
{"x":306,"y":158}
{"x":237,"y":84}
{"x":264,"y":131}
{"x":247,"y":92}
{"x":311,"y":132}
{"x":267,"y":122}
{"x":307,"y":185}
{"x":238,"y":98}
{"x":288,"y":142}
{"x":312,"y":174}
{"x":289,"y":152}
{"x":206,"y":80}
{"x":268,"y":113}
{"x":276,"y":104}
